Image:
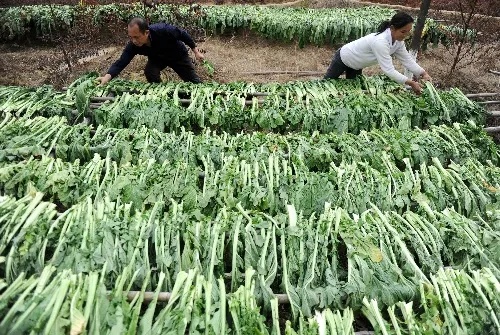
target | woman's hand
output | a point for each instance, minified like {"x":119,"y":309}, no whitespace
{"x":425,"y":76}
{"x":416,"y":87}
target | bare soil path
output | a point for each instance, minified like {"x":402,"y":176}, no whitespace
{"x":234,"y":59}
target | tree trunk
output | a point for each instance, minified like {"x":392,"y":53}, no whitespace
{"x":419,"y":26}
{"x":417,"y":31}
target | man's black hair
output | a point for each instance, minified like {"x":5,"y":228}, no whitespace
{"x":140,"y":22}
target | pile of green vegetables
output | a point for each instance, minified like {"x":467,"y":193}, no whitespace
{"x":296,"y":208}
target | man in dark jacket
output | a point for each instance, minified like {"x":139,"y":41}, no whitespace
{"x":162,"y":44}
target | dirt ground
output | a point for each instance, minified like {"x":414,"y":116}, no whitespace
{"x":235,"y":58}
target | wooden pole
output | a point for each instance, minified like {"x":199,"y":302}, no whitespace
{"x":489,"y":102}
{"x":261,"y":94}
{"x":96,"y":105}
{"x":101,"y":99}
{"x":492,"y":130}
{"x":478,"y":95}
{"x":419,"y":26}
{"x":493,"y":113}
{"x":265,"y":94}
{"x":250,"y":94}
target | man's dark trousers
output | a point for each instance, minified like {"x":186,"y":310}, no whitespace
{"x":183,"y":67}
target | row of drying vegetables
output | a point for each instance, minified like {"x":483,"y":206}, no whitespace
{"x":250,"y":169}
{"x":317,"y":26}
{"x":329,"y":220}
{"x":277,"y":112}
{"x":280,"y":114}
{"x":29,"y":100}
{"x":64,"y":302}
{"x":373,"y":85}
{"x":77,"y":98}
{"x":330,"y":259}
{"x":228,"y":184}
{"x":471,"y":188}
{"x":25,"y":137}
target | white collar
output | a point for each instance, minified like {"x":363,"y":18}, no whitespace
{"x":388,"y":36}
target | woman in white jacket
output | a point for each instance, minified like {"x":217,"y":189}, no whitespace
{"x":378,"y":48}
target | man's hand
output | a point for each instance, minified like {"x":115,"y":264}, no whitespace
{"x":103,"y":80}
{"x":199,"y":56}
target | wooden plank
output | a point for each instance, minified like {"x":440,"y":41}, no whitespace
{"x":493,"y":113}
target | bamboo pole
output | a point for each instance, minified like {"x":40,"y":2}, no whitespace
{"x":96,"y":105}
{"x":250,"y":94}
{"x":477,"y":95}
{"x":261,"y":94}
{"x":495,"y":72}
{"x":264,"y":94}
{"x":493,"y":113}
{"x":101,"y":99}
{"x":492,"y":130}
{"x":489,"y":102}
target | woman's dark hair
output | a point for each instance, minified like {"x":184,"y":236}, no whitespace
{"x":141,"y":23}
{"x":399,"y":20}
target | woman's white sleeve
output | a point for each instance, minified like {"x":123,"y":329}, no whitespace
{"x":407,"y":60}
{"x":381,"y":52}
